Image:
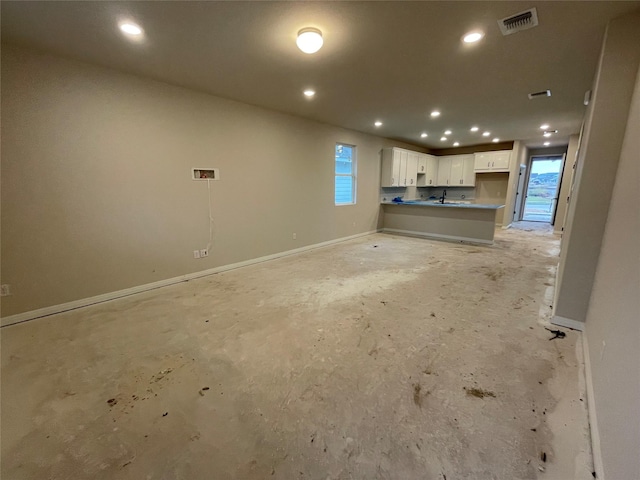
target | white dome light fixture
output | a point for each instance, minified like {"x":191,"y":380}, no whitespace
{"x":309,"y":40}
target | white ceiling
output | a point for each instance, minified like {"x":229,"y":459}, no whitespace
{"x":393,"y":61}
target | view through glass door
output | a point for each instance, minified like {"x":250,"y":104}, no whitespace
{"x":542,"y":189}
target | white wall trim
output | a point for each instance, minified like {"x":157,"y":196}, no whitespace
{"x":85,"y":302}
{"x":567,"y":322}
{"x":591,"y":408}
{"x":437,"y":236}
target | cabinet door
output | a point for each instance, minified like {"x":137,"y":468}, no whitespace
{"x":431,"y":177}
{"x":482,"y":162}
{"x":390,"y":169}
{"x":500,"y":161}
{"x":444,"y":171}
{"x":412,"y":168}
{"x":455,"y":179}
{"x":468,"y":171}
{"x":403,"y":157}
{"x":422,"y":163}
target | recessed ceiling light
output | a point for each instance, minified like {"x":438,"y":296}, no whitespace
{"x":495,"y":140}
{"x":424,"y":135}
{"x":444,"y":139}
{"x":130,"y":28}
{"x":472,"y":37}
{"x":486,"y":134}
{"x":546,"y":144}
{"x":435,"y":113}
{"x":474,"y":129}
{"x":309,"y":40}
{"x":544,"y":127}
{"x":447,"y":132}
{"x":456,"y":144}
{"x":309,"y":93}
{"x":546,"y":134}
{"x":378,"y":123}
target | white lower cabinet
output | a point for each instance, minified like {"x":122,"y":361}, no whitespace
{"x":498,"y":161}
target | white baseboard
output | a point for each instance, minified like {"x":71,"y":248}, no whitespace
{"x":85,"y":302}
{"x":567,"y":322}
{"x":591,"y":408}
{"x":437,"y":236}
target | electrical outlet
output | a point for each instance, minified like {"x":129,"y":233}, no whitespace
{"x":295,"y":236}
{"x":5,"y":290}
{"x":196,"y":254}
{"x":204,"y":253}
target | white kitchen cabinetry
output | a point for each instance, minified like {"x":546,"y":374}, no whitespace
{"x":430,"y":177}
{"x":412,"y":169}
{"x":444,"y":171}
{"x":493,"y":161}
{"x":399,"y":168}
{"x":456,"y":171}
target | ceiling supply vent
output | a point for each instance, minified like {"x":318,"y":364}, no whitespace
{"x":518,"y":22}
{"x":543,"y":93}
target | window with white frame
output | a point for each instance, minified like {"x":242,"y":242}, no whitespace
{"x":345,"y":183}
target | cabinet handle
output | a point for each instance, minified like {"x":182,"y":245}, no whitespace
{"x":492,"y":164}
{"x":412,"y":181}
{"x":391,"y":179}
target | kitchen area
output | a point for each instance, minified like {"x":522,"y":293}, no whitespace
{"x":458,"y":197}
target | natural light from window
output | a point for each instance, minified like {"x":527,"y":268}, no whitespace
{"x":345,"y":179}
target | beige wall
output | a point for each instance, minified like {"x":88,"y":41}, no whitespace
{"x":96,"y":188}
{"x":491,"y":188}
{"x":613,"y":321}
{"x":565,"y":183}
{"x":604,"y":130}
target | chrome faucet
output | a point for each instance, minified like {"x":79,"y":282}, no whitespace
{"x":444,"y":194}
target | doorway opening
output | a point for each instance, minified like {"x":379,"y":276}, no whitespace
{"x":543,"y":184}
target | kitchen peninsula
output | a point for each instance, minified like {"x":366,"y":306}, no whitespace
{"x":453,"y":221}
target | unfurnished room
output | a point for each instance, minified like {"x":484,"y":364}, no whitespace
{"x":320,"y":240}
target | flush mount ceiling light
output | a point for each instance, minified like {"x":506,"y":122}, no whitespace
{"x":486,"y":134}
{"x":544,"y":127}
{"x":435,"y":114}
{"x":130,"y":29}
{"x":309,"y":93}
{"x":309,"y":40}
{"x":546,"y":144}
{"x":378,"y":123}
{"x":474,"y":129}
{"x":495,"y":140}
{"x":472,"y":37}
{"x":456,"y":144}
{"x":444,"y":139}
{"x":424,"y":135}
{"x":447,"y":132}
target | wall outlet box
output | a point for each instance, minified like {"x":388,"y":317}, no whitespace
{"x":205,"y":174}
{"x":295,"y":236}
{"x":196,"y":254}
{"x":5,"y":290}
{"x":204,"y":253}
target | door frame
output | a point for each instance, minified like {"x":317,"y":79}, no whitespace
{"x":562,"y":158}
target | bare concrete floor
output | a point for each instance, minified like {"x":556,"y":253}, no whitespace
{"x":384,"y":357}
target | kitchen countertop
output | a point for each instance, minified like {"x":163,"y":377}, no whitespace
{"x":436,"y":203}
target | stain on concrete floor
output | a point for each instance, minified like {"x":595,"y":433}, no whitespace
{"x":344,"y":362}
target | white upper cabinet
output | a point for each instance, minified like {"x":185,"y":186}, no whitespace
{"x":456,"y":171}
{"x":493,"y":161}
{"x":399,"y":167}
{"x":430,"y":170}
{"x":444,"y":171}
{"x":412,"y":169}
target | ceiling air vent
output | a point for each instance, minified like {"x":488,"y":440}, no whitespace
{"x":518,"y":22}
